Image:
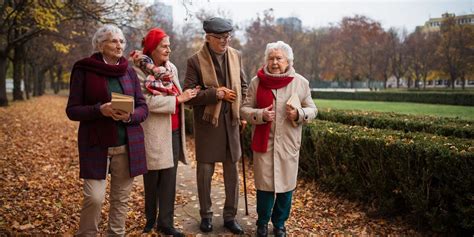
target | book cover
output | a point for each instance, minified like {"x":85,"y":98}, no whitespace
{"x":123,"y":102}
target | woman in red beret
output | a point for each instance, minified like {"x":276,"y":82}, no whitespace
{"x":165,"y":142}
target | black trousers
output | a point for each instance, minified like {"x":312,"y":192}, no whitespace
{"x":160,"y":190}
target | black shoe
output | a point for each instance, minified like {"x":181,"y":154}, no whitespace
{"x":148,"y":227}
{"x":234,"y":227}
{"x":279,"y":232}
{"x":206,"y":225}
{"x":170,"y":231}
{"x":262,"y":230}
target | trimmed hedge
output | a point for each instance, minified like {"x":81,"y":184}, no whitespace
{"x":430,"y":177}
{"x":407,"y":123}
{"x":417,"y":97}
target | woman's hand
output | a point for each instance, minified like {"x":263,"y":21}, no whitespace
{"x":120,"y":115}
{"x":268,"y":114}
{"x":106,"y":109}
{"x":187,"y":95}
{"x":243,"y":124}
{"x":291,"y":113}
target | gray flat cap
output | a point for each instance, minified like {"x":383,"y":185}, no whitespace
{"x":217,"y":25}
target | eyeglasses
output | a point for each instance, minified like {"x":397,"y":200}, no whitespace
{"x":221,"y":37}
{"x":116,"y":41}
{"x":278,"y":59}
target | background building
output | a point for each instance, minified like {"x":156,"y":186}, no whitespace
{"x":293,"y":23}
{"x":433,"y":24}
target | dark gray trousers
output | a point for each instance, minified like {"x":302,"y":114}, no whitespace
{"x":160,"y":190}
{"x":204,"y":175}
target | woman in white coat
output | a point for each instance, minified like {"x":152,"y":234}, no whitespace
{"x":278,"y":102}
{"x":165,"y":142}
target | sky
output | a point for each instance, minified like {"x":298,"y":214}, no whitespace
{"x":320,"y":13}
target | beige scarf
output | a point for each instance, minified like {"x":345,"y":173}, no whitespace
{"x":209,"y":77}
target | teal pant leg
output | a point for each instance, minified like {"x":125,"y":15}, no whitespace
{"x":265,"y":201}
{"x":281,"y":210}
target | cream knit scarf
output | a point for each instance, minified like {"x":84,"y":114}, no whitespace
{"x":209,"y":77}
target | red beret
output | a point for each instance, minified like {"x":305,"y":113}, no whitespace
{"x":152,"y":39}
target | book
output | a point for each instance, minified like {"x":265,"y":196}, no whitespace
{"x":123,"y":102}
{"x":294,"y":101}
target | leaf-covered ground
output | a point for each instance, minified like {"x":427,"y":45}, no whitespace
{"x":41,"y":192}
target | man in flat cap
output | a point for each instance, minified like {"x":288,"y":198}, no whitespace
{"x":217,"y":69}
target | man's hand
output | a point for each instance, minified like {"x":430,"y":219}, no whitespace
{"x":220,"y":93}
{"x":224,"y":93}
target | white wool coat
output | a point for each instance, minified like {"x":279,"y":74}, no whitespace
{"x":157,"y":127}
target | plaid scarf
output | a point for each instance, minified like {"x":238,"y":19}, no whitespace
{"x":159,"y":79}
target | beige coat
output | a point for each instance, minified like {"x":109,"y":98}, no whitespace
{"x":157,"y":127}
{"x":277,"y":169}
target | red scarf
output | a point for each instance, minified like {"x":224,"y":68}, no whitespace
{"x":265,"y":99}
{"x":96,"y":88}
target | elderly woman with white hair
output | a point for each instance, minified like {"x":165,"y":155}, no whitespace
{"x":278,"y":102}
{"x":109,"y":140}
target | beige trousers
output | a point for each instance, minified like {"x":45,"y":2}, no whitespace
{"x":94,"y":195}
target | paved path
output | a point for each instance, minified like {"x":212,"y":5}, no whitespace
{"x":187,"y":216}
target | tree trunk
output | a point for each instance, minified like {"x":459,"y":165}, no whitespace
{"x":27,"y":79}
{"x":36,"y":84}
{"x":453,"y":80}
{"x":3,"y":78}
{"x":59,"y":74}
{"x":54,"y":81}
{"x":17,"y":72}
{"x":42,"y":81}
{"x":398,"y":82}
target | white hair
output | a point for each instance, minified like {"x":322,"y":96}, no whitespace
{"x":284,"y":47}
{"x":103,"y":34}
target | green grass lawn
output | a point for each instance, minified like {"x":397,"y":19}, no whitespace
{"x":464,"y":112}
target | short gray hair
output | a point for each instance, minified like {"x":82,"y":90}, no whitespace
{"x":284,"y":47}
{"x":103,"y":33}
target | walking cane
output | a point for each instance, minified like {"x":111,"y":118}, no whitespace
{"x":243,"y":171}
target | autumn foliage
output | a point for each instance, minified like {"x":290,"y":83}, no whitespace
{"x":41,"y":192}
